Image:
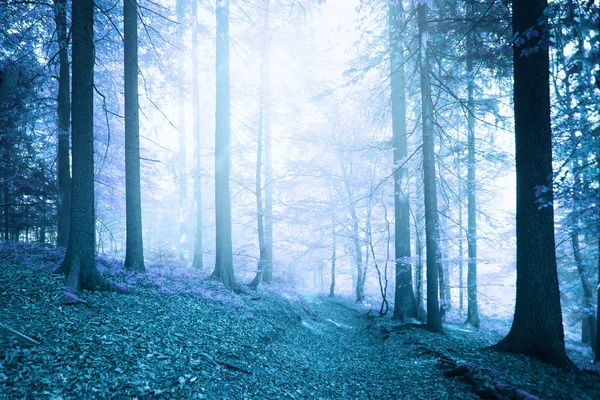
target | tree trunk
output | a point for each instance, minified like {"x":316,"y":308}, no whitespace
{"x":597,"y":352}
{"x":589,"y":320}
{"x":268,"y":209}
{"x":64,"y":115}
{"x":198,"y":262}
{"x":224,"y":252}
{"x":405,"y":305}
{"x":357,"y":258}
{"x":419,"y":237}
{"x":260,"y":211}
{"x":134,"y":252}
{"x":461,"y":279}
{"x":472,"y":309}
{"x":79,"y":264}
{"x":333,"y":260}
{"x":537,"y":328}
{"x":432,"y":235}
{"x":181,"y":156}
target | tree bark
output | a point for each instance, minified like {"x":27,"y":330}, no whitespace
{"x":472,"y":309}
{"x":537,"y":328}
{"x":134,"y":252}
{"x":198,"y":262}
{"x":405,"y":305}
{"x":64,"y":116}
{"x":224,"y":252}
{"x":434,"y":322}
{"x":79,"y":264}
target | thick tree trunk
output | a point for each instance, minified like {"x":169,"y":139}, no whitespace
{"x":64,"y":115}
{"x":472,"y":309}
{"x":198,"y":262}
{"x":432,"y":235}
{"x":134,"y":251}
{"x":181,"y":156}
{"x":405,"y":305}
{"x":224,"y":252}
{"x":537,"y":328}
{"x":79,"y":264}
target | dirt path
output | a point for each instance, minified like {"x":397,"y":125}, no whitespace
{"x":339,"y":353}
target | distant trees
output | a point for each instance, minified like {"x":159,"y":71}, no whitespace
{"x":134,"y":253}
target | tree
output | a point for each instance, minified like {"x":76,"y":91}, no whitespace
{"x":434,"y":321}
{"x":198,"y":247}
{"x":134,"y":253}
{"x":405,"y":305}
{"x":79,"y":263}
{"x":262,"y":118}
{"x":472,"y":310}
{"x":64,"y":115}
{"x":269,"y":182}
{"x":224,"y":252}
{"x":333,"y":260}
{"x":537,"y":328}
{"x":181,"y":156}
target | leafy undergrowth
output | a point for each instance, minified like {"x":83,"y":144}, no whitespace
{"x":180,"y":336}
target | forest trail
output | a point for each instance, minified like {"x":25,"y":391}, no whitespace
{"x":340,"y":352}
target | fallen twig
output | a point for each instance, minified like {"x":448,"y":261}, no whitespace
{"x":225,"y":364}
{"x":21,"y":335}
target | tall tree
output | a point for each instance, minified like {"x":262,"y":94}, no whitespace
{"x":79,"y":264}
{"x":64,"y":116}
{"x":198,"y":262}
{"x":432,"y":235}
{"x":181,"y":156}
{"x":472,"y":309}
{"x":537,"y":328}
{"x":268,"y":207}
{"x":224,"y":252}
{"x":405,"y":303}
{"x":262,"y":117}
{"x":134,"y":252}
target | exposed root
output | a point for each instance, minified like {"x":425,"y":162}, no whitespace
{"x":484,"y":381}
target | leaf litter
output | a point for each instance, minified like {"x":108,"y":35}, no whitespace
{"x":181,"y":336}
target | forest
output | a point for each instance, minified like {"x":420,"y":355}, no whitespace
{"x":304,"y":199}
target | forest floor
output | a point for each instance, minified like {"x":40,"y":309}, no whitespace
{"x":179,"y":336}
